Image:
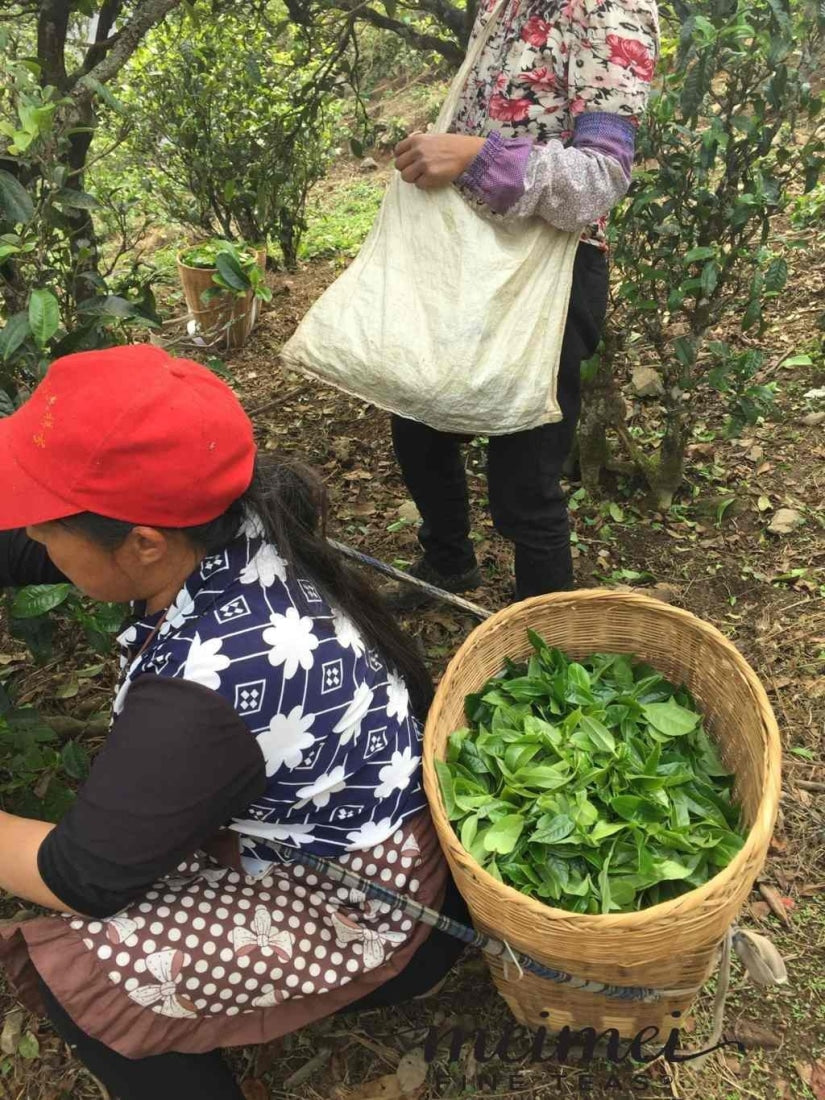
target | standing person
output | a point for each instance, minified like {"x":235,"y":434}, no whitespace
{"x":266,"y":694}
{"x":545,"y":128}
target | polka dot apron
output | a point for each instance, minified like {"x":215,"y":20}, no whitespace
{"x":212,"y":957}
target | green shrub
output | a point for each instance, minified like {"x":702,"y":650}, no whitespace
{"x":231,"y":122}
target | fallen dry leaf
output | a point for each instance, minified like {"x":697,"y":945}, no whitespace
{"x":12,"y":1030}
{"x":811,"y":889}
{"x":776,"y":903}
{"x":784,"y":884}
{"x":381,"y":1088}
{"x":785,"y":521}
{"x":818,"y":1080}
{"x":408,"y":511}
{"x":733,"y":1064}
{"x":805,"y":1071}
{"x":412,"y":1072}
{"x":254,"y":1089}
{"x":759,"y":909}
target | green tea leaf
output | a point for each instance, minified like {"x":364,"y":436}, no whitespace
{"x":231,"y":272}
{"x":16,"y":205}
{"x":38,"y":599}
{"x":598,"y":733}
{"x":14,"y":334}
{"x":469,"y":829}
{"x":552,"y":829}
{"x":445,"y":780}
{"x":75,"y":760}
{"x":28,"y":1047}
{"x":503,"y":836}
{"x":44,"y":316}
{"x":670,"y":719}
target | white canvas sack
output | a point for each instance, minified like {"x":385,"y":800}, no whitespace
{"x":444,"y":316}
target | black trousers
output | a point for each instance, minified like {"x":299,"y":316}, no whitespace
{"x":527,"y":503}
{"x":176,"y":1076}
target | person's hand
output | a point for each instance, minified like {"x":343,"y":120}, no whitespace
{"x":435,"y":160}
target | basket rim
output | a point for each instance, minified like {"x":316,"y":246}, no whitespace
{"x":260,"y":253}
{"x":757,"y":837}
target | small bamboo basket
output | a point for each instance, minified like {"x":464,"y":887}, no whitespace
{"x":228,"y":320}
{"x":671,"y":947}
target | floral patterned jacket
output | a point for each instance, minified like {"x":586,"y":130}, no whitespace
{"x":558,"y":92}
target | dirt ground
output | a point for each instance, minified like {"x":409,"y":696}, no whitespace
{"x":713,"y":555}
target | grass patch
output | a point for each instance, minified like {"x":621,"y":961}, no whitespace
{"x":339,"y":217}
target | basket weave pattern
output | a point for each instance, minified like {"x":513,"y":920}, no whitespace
{"x":672,"y":946}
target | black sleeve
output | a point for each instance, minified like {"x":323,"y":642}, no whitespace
{"x":177,"y":765}
{"x":24,"y":561}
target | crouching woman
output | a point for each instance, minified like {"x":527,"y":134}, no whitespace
{"x":265,"y":696}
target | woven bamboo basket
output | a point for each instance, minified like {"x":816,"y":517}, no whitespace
{"x":228,"y":318}
{"x":671,"y":947}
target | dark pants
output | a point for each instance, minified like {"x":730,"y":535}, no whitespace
{"x":527,"y":503}
{"x":176,"y":1076}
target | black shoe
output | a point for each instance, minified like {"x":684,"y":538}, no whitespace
{"x":406,"y":597}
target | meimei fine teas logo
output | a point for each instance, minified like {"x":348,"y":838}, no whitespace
{"x":46,"y":421}
{"x":516,"y":1044}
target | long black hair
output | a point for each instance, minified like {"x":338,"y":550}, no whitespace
{"x":290,"y":501}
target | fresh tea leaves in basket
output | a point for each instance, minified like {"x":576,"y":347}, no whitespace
{"x":591,"y":786}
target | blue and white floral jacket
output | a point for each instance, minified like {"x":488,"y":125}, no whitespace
{"x":341,"y":747}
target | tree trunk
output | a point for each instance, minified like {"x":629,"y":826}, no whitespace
{"x":603,"y":407}
{"x":83,"y":240}
{"x":665,"y":476}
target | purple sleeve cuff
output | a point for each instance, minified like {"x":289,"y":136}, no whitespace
{"x":608,"y":134}
{"x":496,"y":176}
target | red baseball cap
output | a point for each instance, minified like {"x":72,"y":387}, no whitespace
{"x":130,"y":433}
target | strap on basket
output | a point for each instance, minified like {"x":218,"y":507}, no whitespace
{"x":424,"y":915}
{"x":762,"y":961}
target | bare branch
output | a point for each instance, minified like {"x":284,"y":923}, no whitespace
{"x":451,"y":51}
{"x":146,"y":15}
{"x":109,"y":12}
{"x":454,"y":19}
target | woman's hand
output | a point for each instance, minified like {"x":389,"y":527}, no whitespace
{"x":435,"y":160}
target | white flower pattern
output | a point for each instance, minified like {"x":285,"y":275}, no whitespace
{"x":347,"y":633}
{"x":349,"y":725}
{"x":286,"y":740}
{"x":204,"y":661}
{"x":372,"y":833}
{"x":180,"y":610}
{"x":291,"y":640}
{"x":398,"y":698}
{"x":396,"y":775}
{"x":320,"y":792}
{"x":266,"y":567}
